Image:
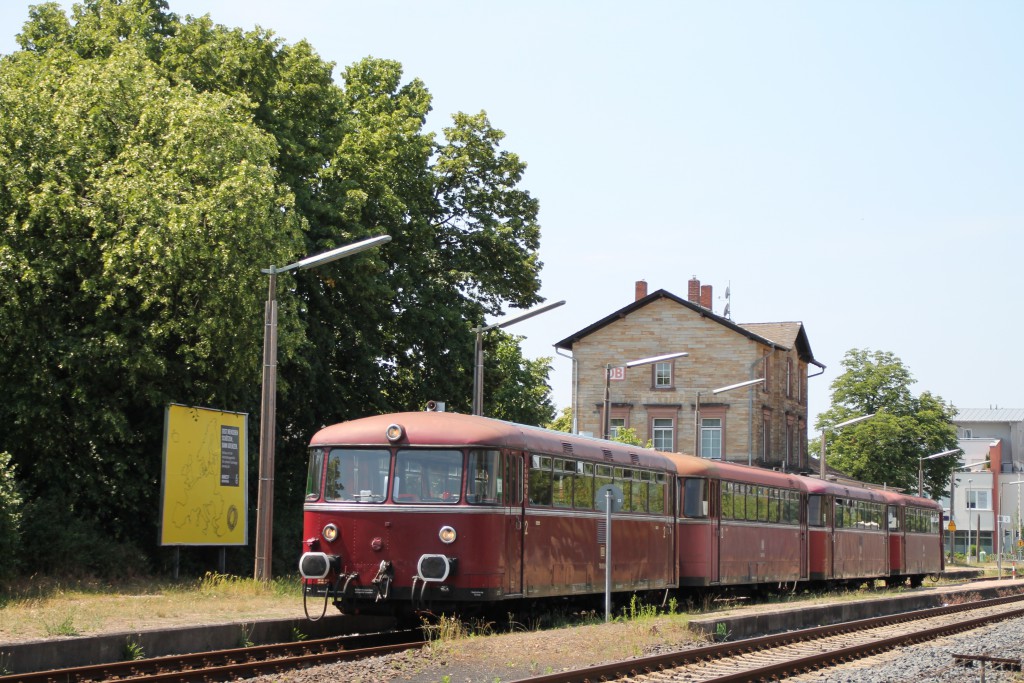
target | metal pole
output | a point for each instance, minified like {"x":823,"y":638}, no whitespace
{"x":608,"y":555}
{"x":821,"y":458}
{"x":268,"y":410}
{"x":606,"y":418}
{"x":696,"y":426}
{"x":478,"y":373}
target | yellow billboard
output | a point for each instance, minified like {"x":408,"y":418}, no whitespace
{"x":204,"y":497}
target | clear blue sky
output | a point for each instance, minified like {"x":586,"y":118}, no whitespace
{"x":857,"y":166}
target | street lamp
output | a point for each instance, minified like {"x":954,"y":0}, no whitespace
{"x":920,"y":468}
{"x":478,"y":352}
{"x":268,"y":407}
{"x":836,"y":428}
{"x":631,"y":364}
{"x":696,"y":410}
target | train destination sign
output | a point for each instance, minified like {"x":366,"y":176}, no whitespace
{"x":204,"y":497}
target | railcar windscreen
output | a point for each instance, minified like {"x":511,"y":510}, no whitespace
{"x":428,"y":476}
{"x":315,"y":475}
{"x":357,"y":475}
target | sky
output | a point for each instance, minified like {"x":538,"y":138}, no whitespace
{"x":855,"y":166}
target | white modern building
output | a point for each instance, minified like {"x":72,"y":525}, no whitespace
{"x":986,"y":491}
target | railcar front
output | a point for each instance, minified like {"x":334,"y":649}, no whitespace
{"x":413,"y":511}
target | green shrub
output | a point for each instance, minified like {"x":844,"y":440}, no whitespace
{"x":10,"y":517}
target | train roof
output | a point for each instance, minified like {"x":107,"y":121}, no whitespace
{"x":691,"y":465}
{"x":455,"y":429}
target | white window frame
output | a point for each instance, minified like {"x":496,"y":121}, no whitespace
{"x":663,"y":375}
{"x":660,"y":426}
{"x":711,"y":438}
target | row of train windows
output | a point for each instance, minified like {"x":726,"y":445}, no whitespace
{"x":760,"y":503}
{"x":743,"y":502}
{"x":565,"y":483}
{"x":859,"y":514}
{"x":922,"y":521}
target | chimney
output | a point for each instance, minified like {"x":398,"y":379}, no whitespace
{"x":705,"y":296}
{"x":693,"y":292}
{"x":641,"y":289}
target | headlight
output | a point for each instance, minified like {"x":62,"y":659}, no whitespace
{"x":330,"y":533}
{"x":394,"y":432}
{"x":447,"y":534}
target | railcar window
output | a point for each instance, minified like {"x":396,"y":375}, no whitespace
{"x":624,"y":478}
{"x":638,"y":501}
{"x":695,"y":497}
{"x":561,"y":483}
{"x":815,"y":511}
{"x":540,"y":480}
{"x":894,"y":517}
{"x":791,"y":507}
{"x":484,"y":485}
{"x":656,"y":501}
{"x":514,"y":479}
{"x":428,"y":476}
{"x":751,"y":502}
{"x":762,"y":504}
{"x":357,"y":475}
{"x":583,"y":486}
{"x":603,"y":476}
{"x":315,"y":475}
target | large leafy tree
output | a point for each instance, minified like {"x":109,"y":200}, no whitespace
{"x":886,"y":448}
{"x":150,"y":166}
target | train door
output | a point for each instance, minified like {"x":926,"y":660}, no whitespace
{"x":513,"y":498}
{"x":804,"y":542}
{"x":714,"y":536}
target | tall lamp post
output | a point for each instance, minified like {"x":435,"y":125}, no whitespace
{"x":478,"y":352}
{"x":696,"y":410}
{"x":836,"y":428}
{"x":606,"y":418}
{"x":920,"y":467}
{"x":268,"y":407}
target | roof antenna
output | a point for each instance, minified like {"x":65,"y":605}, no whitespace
{"x":726,"y":313}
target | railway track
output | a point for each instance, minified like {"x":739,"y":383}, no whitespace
{"x":225,"y":665}
{"x":796,"y":652}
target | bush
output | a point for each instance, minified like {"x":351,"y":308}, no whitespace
{"x":10,"y":517}
{"x":80,"y":549}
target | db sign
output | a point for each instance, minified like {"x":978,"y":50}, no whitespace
{"x":617,"y":374}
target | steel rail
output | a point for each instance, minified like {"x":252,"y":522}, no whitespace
{"x":232,"y":662}
{"x":661,"y":663}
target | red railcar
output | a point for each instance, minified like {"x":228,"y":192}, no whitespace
{"x":738,"y":524}
{"x":440,"y":510}
{"x":846,"y":529}
{"x":436,"y":509}
{"x":915,"y":538}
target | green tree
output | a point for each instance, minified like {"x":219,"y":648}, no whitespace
{"x":10,"y":517}
{"x":150,"y":166}
{"x":886,"y":448}
{"x":563,"y":421}
{"x":629,"y":436}
{"x":519,"y":386}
